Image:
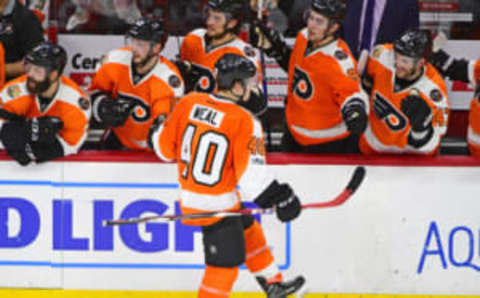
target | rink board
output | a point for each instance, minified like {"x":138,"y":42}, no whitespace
{"x":412,"y":227}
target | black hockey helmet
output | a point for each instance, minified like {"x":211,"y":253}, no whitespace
{"x":414,"y":43}
{"x":48,"y":55}
{"x":149,"y":29}
{"x":231,"y":68}
{"x":332,"y":9}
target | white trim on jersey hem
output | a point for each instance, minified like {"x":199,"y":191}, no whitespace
{"x":208,"y":202}
{"x":374,"y":143}
{"x":473,"y":137}
{"x":335,"y":131}
{"x":72,"y":149}
{"x":156,"y":144}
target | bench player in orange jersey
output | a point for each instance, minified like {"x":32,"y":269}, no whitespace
{"x":467,"y":71}
{"x":134,"y":85}
{"x":408,"y":98}
{"x":326,"y":109}
{"x":202,"y":48}
{"x":219,"y":145}
{"x":44,"y":115}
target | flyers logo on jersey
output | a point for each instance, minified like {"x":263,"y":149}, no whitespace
{"x":206,"y":115}
{"x":206,"y":80}
{"x":140,"y":110}
{"x":388,"y":113}
{"x":301,"y":84}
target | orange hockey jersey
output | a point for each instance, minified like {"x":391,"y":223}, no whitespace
{"x":217,"y":145}
{"x":154,"y":94}
{"x":389,"y":134}
{"x":70,"y":104}
{"x":195,"y":50}
{"x":473,"y":134}
{"x":319,"y":84}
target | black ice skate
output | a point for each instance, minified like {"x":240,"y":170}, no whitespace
{"x":281,"y":289}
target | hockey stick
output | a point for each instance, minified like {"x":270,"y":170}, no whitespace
{"x":353,"y":184}
{"x":362,"y":62}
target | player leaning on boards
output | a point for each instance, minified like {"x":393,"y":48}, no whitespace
{"x":45,"y":113}
{"x":134,"y":85}
{"x":202,"y":48}
{"x":408,"y":98}
{"x":467,"y":71}
{"x":326,"y":109}
{"x":219,"y":145}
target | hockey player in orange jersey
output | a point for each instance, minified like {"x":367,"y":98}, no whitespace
{"x":134,"y":85}
{"x":408,"y":98}
{"x":219,"y":145}
{"x":467,"y":71}
{"x":326,"y":109}
{"x":202,"y":48}
{"x":44,"y":115}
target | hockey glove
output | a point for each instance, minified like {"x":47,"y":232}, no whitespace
{"x":14,"y":139}
{"x":288,"y":205}
{"x":191,"y":73}
{"x":43,"y":129}
{"x":439,"y":59}
{"x":418,"y":112}
{"x":257,"y":104}
{"x":282,"y":197}
{"x":114,"y":113}
{"x":355,"y":116}
{"x":270,"y":41}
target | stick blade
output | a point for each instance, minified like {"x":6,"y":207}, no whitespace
{"x":357,"y":178}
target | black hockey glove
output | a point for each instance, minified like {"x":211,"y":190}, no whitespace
{"x":190,"y":73}
{"x":43,"y":129}
{"x":257,"y":104}
{"x":418,"y":112}
{"x":282,"y":197}
{"x":355,"y":116}
{"x":156,"y":124}
{"x":114,"y":113}
{"x":288,"y":205}
{"x":439,"y":59}
{"x":270,"y":41}
{"x":454,"y":69}
{"x":14,"y":139}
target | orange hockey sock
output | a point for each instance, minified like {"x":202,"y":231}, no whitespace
{"x":258,"y":254}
